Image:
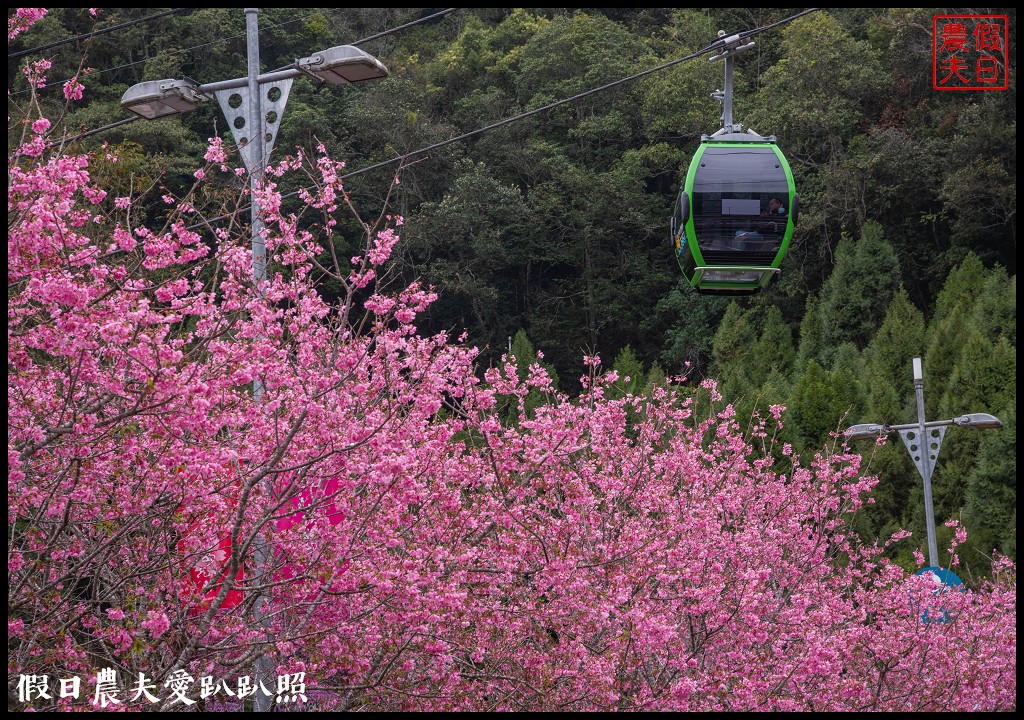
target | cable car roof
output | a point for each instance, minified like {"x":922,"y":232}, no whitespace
{"x":747,"y":136}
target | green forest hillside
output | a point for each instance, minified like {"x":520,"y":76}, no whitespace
{"x":550,"y":233}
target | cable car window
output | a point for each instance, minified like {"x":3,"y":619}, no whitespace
{"x":736,"y":206}
{"x":739,"y":205}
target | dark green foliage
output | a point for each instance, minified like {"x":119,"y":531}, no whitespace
{"x":820,"y":404}
{"x":687,"y":321}
{"x":655,"y":378}
{"x":856,"y":294}
{"x":476,"y":243}
{"x":990,"y":502}
{"x":752,"y":367}
{"x":962,"y":286}
{"x":996,"y":307}
{"x":733,"y":344}
{"x":824,"y":100}
{"x":668,"y":107}
{"x":630,"y":371}
{"x":973,"y":301}
{"x":773,"y":353}
{"x":979,"y":197}
{"x":983,"y":380}
{"x":812,"y":344}
{"x":888,"y":366}
{"x":848,"y":363}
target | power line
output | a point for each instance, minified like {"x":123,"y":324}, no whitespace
{"x":357,"y":42}
{"x":716,"y":45}
{"x":388,"y":32}
{"x":94,"y":33}
{"x":403,"y":27}
{"x":117,"y":123}
{"x":175,"y":52}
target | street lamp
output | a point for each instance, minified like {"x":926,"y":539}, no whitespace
{"x":238,"y":98}
{"x":978,"y":421}
{"x":923,"y":440}
{"x":865,"y":432}
{"x":253,"y":106}
{"x":160,"y":98}
{"x":342,"y":65}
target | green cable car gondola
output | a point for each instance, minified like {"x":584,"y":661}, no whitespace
{"x":735,"y":215}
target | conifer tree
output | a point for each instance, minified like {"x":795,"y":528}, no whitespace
{"x":630,"y":371}
{"x":855,"y":296}
{"x":887,"y":369}
{"x":990,"y":502}
{"x":820,"y":404}
{"x":526,"y":356}
{"x":950,"y":326}
{"x":655,"y":378}
{"x":773,"y":352}
{"x":731,"y":351}
{"x":811,"y":343}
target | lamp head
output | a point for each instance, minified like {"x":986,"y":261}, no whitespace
{"x":978,"y":421}
{"x":865,"y":431}
{"x":343,"y":64}
{"x":159,"y":98}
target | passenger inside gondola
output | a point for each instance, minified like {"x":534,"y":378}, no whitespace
{"x":774,"y":208}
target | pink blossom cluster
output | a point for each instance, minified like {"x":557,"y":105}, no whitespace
{"x":73,"y":89}
{"x":373,"y":518}
{"x":35,"y":72}
{"x":22,"y":20}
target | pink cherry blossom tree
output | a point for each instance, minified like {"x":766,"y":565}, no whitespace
{"x":635,"y":553}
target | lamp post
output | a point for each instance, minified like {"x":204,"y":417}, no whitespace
{"x":253,"y":106}
{"x":923,"y":440}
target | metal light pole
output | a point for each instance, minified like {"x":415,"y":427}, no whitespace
{"x":256,"y":139}
{"x":253,"y":107}
{"x":264,"y":665}
{"x":923,"y":440}
{"x":926,"y":441}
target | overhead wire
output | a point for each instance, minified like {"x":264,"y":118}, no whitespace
{"x":171,"y":53}
{"x":116,"y":123}
{"x":357,"y":42}
{"x":403,"y":27}
{"x":94,"y":33}
{"x":388,"y":32}
{"x":716,"y":45}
